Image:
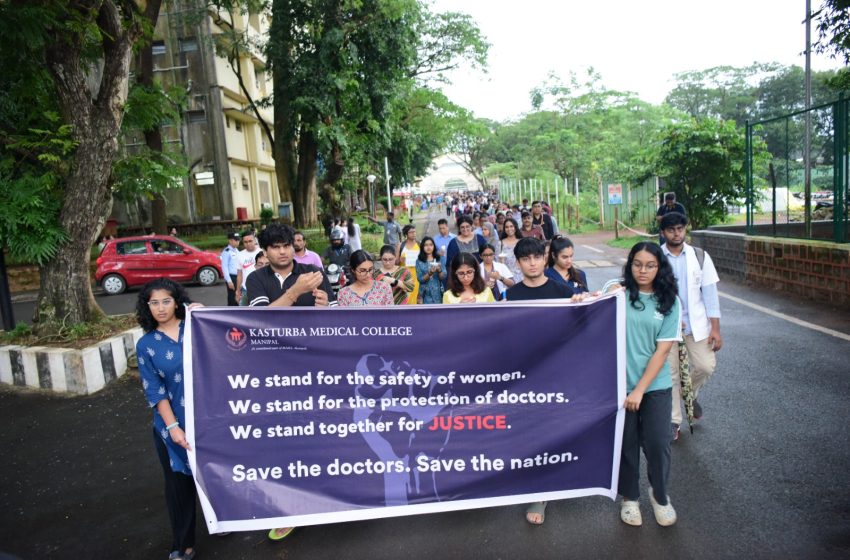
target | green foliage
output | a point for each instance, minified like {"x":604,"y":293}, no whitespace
{"x":21,"y":330}
{"x":266,"y":216}
{"x":833,"y":23}
{"x":146,"y":172}
{"x":703,"y":163}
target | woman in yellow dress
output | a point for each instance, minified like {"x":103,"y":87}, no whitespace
{"x":465,"y":283}
{"x":408,"y":253}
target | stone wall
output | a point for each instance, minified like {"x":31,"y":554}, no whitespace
{"x":726,"y":250}
{"x":817,"y":270}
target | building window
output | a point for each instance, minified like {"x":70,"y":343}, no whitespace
{"x":158,"y":47}
{"x":194,"y":117}
{"x":227,"y":122}
{"x":238,"y":125}
{"x":188,"y":44}
{"x":244,"y":183}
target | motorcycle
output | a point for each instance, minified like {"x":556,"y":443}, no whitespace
{"x":337,"y":276}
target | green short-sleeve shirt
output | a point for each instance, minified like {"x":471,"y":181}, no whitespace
{"x":644,"y":329}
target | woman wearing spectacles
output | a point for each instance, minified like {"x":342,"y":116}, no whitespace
{"x":161,"y":310}
{"x":653,"y":324}
{"x":465,"y":283}
{"x":365,"y":291}
{"x":397,"y":277}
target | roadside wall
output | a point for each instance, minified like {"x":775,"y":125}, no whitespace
{"x":816,"y":270}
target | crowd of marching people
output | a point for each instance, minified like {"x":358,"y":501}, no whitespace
{"x":498,"y":252}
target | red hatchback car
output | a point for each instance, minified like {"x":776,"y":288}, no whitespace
{"x":134,"y":261}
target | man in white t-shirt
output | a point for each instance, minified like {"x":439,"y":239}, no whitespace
{"x":246,"y":260}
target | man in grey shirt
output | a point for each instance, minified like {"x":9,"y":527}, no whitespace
{"x":392,"y":231}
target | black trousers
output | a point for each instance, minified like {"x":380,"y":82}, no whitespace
{"x":647,"y":429}
{"x":179,"y":499}
{"x":231,"y":294}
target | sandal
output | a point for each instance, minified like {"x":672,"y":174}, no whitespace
{"x":537,"y":508}
{"x":281,"y":533}
{"x":630,"y":513}
{"x":664,"y":515}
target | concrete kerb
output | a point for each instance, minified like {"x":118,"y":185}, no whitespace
{"x":68,"y":370}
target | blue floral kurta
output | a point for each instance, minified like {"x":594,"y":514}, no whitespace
{"x":161,"y":369}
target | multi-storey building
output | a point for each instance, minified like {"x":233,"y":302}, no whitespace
{"x":227,"y":151}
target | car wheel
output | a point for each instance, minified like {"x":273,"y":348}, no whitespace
{"x":207,"y":276}
{"x":113,"y":284}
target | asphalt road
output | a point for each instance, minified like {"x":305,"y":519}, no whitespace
{"x":766,"y":473}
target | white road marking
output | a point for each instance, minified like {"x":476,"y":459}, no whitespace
{"x":788,"y":318}
{"x":593,"y":248}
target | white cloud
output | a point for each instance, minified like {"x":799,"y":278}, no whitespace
{"x":635,"y":45}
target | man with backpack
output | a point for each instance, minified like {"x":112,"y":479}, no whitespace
{"x":697,"y":280}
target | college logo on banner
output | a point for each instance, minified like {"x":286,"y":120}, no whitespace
{"x":331,"y":415}
{"x":236,"y":338}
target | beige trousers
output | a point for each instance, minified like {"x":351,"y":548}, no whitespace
{"x":702,"y":361}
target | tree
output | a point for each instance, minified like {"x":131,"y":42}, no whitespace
{"x":722,"y":92}
{"x":833,"y":22}
{"x":339,"y":68}
{"x":61,"y":125}
{"x":703,"y":163}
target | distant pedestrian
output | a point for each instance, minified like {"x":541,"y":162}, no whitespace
{"x":302,"y":254}
{"x":465,"y":242}
{"x":230,"y":267}
{"x":408,"y":252}
{"x":430,"y":272}
{"x":496,"y":275}
{"x":392,"y":231}
{"x":653,"y":325}
{"x":542,"y":219}
{"x":160,"y":311}
{"x":529,"y":229}
{"x":669,"y":205}
{"x":353,"y":229}
{"x":246,"y":261}
{"x":398,"y":277}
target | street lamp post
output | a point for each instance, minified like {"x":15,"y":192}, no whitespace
{"x":371,"y":178}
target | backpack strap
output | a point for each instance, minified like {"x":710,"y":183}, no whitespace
{"x":700,"y":254}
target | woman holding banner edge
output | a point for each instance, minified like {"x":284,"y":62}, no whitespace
{"x":653,"y":324}
{"x":160,"y":311}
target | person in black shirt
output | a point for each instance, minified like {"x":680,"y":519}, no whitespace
{"x":670,"y":205}
{"x":529,"y":253}
{"x":539,"y":218}
{"x":285,"y":282}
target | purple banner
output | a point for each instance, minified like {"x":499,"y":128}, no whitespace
{"x":301,"y":416}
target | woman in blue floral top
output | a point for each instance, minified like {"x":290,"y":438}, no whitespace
{"x":160,"y":311}
{"x":430,"y":271}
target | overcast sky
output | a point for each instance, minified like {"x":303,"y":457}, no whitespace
{"x":636,"y":45}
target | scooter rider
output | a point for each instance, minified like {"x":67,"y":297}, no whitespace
{"x":338,"y":252}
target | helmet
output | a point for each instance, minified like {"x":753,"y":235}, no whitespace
{"x":336,"y":234}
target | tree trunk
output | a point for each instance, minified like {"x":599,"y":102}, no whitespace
{"x":65,"y":296}
{"x":328,"y":192}
{"x":306,"y":198}
{"x":153,"y":137}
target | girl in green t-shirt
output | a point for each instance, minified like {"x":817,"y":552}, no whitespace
{"x":653,"y":323}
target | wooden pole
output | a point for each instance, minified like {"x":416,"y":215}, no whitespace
{"x":616,"y":222}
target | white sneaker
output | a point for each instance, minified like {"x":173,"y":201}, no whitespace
{"x":630,"y":513}
{"x":664,"y":515}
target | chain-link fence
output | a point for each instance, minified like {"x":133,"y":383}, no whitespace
{"x":778,"y":202}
